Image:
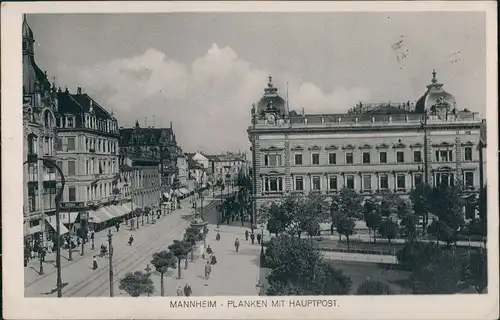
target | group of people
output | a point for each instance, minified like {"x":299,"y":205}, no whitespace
{"x":252,"y":237}
{"x":184,"y":292}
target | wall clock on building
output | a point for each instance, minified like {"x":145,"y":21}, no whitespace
{"x":271,"y":118}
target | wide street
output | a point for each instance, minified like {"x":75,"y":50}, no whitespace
{"x":234,"y":274}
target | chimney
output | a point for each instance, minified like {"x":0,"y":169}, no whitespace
{"x":79,"y":90}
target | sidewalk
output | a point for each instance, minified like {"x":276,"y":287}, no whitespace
{"x":78,"y":277}
{"x":234,"y":273}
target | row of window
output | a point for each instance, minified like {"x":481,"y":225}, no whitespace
{"x":275,"y":159}
{"x":275,"y":184}
{"x":47,"y":146}
{"x":92,"y":122}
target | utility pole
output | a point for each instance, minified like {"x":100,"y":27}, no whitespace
{"x":111,"y":282}
{"x":254,"y":171}
{"x":70,"y":247}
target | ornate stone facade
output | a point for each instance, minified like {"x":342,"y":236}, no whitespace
{"x":373,"y":147}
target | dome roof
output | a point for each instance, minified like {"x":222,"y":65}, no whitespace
{"x":271,"y":100}
{"x":26,"y":30}
{"x":434,"y":95}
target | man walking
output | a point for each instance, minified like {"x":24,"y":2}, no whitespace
{"x":117,"y":226}
{"x":94,"y":263}
{"x":208,"y":270}
{"x":252,"y":237}
{"x":179,"y":291}
{"x":258,"y":238}
{"x":246,"y":235}
{"x":236,"y":244}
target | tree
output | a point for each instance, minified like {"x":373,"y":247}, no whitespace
{"x":420,"y":198}
{"x":162,"y":261}
{"x":482,"y":205}
{"x":147,"y":211}
{"x":191,"y":236}
{"x":415,"y":254}
{"x":180,"y":250}
{"x":409,"y":225}
{"x":136,"y":284}
{"x":368,"y":208}
{"x":373,"y":287}
{"x":442,"y":275}
{"x":442,"y":232}
{"x":389,"y":229}
{"x":137,"y":214}
{"x":345,"y":204}
{"x":345,"y":227}
{"x":447,"y":204}
{"x":298,"y":269}
{"x":476,"y":270}
{"x":373,"y":221}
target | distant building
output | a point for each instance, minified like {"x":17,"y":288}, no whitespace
{"x":40,"y":136}
{"x":225,"y":167}
{"x":387,"y":146}
{"x":154,"y":143}
{"x":183,"y":169}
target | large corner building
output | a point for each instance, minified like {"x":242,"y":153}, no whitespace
{"x":383,"y":146}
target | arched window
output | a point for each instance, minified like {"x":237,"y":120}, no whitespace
{"x":48,"y":119}
{"x":32,"y":144}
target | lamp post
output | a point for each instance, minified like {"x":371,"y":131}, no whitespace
{"x":111,"y":282}
{"x":83,"y":229}
{"x":33,"y":158}
{"x":70,"y":241}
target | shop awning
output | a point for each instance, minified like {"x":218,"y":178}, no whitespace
{"x":31,"y":231}
{"x":177,"y":192}
{"x":100,"y":215}
{"x":127,"y":206}
{"x":166,"y":195}
{"x":52,"y":221}
{"x":72,"y":217}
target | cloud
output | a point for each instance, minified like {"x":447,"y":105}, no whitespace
{"x":208,"y":101}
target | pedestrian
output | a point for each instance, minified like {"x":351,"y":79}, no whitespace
{"x":213,"y":259}
{"x":187,"y":290}
{"x":259,"y":237}
{"x":94,"y":263}
{"x":331,"y":229}
{"x":179,"y":291}
{"x":252,"y":237}
{"x":130,"y":240}
{"x":117,"y":226}
{"x":246,"y":235}
{"x":236,"y":244}
{"x":208,"y":269}
{"x":209,"y":250}
{"x":217,"y":237}
{"x":92,"y":235}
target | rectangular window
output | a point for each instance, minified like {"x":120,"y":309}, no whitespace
{"x":400,"y":157}
{"x":332,"y":183}
{"x":71,"y":143}
{"x":316,"y":183}
{"x":332,"y":158}
{"x":349,"y":158}
{"x":298,"y":159}
{"x":468,"y":154}
{"x":367,"y":183}
{"x":349,"y":182}
{"x":299,"y":183}
{"x":384,"y":182}
{"x":469,"y":179}
{"x":72,"y":194}
{"x":400,"y":182}
{"x":274,"y":160}
{"x":71,"y":168}
{"x":71,"y":122}
{"x":383,"y":157}
{"x":417,"y":156}
{"x":315,"y":158}
{"x":275,"y":184}
{"x":266,"y":160}
{"x":417,"y":179}
{"x":366,"y":157}
{"x":86,"y":144}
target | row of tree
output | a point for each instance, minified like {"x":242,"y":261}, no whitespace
{"x":138,"y":283}
{"x":238,"y":205}
{"x":385,"y":213}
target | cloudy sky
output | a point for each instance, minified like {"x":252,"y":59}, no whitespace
{"x":203,"y":71}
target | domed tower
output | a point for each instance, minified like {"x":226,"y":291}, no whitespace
{"x":435,"y":100}
{"x":271,"y":102}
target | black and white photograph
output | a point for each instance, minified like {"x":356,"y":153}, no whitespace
{"x":298,"y":160}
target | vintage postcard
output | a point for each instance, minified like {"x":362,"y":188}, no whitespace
{"x":267,"y":160}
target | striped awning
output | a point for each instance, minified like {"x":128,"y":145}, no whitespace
{"x":127,"y":206}
{"x":100,"y":215}
{"x":67,"y":220}
{"x":52,"y":221}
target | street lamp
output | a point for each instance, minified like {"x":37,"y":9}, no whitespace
{"x":110,"y":244}
{"x":34,"y":158}
{"x":83,"y":229}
